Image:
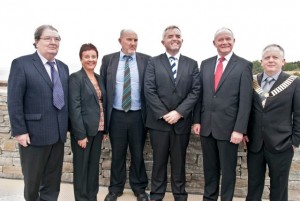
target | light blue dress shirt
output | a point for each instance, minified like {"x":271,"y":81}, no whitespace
{"x":135,"y":84}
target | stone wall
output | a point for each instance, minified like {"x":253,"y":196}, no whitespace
{"x":10,"y":161}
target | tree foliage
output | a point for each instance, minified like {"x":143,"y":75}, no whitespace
{"x":289,"y":66}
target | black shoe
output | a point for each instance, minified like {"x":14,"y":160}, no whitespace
{"x":111,"y":196}
{"x":142,"y":197}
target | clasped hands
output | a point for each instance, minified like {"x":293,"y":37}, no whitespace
{"x":172,"y":117}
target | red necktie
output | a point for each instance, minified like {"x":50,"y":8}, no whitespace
{"x":219,"y":72}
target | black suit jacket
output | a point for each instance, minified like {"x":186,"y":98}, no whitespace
{"x":227,"y":109}
{"x":108,"y":72}
{"x":164,"y":95}
{"x":30,"y":104}
{"x":277,"y":125}
{"x":84,"y":109}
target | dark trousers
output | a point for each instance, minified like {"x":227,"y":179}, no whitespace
{"x":165,"y":144}
{"x":42,"y":169}
{"x":86,"y":168}
{"x":279,"y":165}
{"x":219,"y":156}
{"x":127,"y":129}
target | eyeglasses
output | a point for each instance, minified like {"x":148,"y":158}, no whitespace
{"x":49,"y":39}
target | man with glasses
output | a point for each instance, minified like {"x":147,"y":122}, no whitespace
{"x":38,"y":111}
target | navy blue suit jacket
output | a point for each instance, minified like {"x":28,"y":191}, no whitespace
{"x":30,"y":104}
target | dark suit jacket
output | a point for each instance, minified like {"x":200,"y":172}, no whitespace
{"x":30,"y":104}
{"x":227,"y":109}
{"x":164,"y":95}
{"x":108,"y":72}
{"x":84,"y":109}
{"x":277,"y":125}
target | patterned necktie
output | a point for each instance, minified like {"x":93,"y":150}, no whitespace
{"x":173,"y":62}
{"x":266,"y":88}
{"x":219,"y":72}
{"x":126,"y":98}
{"x":58,"y":93}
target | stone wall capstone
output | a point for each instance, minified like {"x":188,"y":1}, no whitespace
{"x":10,"y":161}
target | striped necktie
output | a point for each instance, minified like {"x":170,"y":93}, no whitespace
{"x":173,"y":62}
{"x":126,"y":98}
{"x":58,"y":93}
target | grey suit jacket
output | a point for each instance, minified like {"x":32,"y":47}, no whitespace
{"x":277,"y":125}
{"x":108,"y":72}
{"x":30,"y":104}
{"x":227,"y":109}
{"x":84,"y":109}
{"x":163,"y":94}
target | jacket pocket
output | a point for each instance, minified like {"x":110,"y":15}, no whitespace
{"x":33,"y":117}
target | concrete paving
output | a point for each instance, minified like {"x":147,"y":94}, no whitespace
{"x":12,"y":190}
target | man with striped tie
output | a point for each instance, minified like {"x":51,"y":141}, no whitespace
{"x":171,"y":90}
{"x":123,"y":75}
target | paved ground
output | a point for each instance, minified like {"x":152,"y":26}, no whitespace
{"x":12,"y":190}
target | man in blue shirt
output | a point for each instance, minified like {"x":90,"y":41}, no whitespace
{"x":123,"y":74}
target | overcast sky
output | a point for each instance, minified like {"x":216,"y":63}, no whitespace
{"x":255,"y":23}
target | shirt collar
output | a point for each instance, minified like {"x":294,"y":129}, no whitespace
{"x":122,"y":56}
{"x":227,"y":57}
{"x":275,"y":76}
{"x":44,"y":60}
{"x":176,"y":56}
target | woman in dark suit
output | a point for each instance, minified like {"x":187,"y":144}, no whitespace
{"x":87,"y":120}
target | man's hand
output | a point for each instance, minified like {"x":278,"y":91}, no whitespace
{"x":82,"y":143}
{"x":196,"y":129}
{"x":172,"y":117}
{"x":236,"y":137}
{"x":23,"y":139}
{"x":245,"y":140}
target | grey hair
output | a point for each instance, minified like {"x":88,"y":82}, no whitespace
{"x":168,"y":28}
{"x":123,"y":31}
{"x":39,"y":31}
{"x":273,"y":47}
{"x":223,"y":30}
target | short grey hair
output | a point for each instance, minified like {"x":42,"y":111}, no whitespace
{"x":223,"y":30}
{"x":168,"y":28}
{"x":123,"y":31}
{"x":273,"y":47}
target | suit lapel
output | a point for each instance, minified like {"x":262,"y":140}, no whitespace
{"x":89,"y":84}
{"x":231,"y":64}
{"x":167,"y":66}
{"x":140,"y":67}
{"x":281,"y":78}
{"x":38,"y":64}
{"x":257,"y":97}
{"x":211,"y":73}
{"x":180,"y":68}
{"x":113,"y":67}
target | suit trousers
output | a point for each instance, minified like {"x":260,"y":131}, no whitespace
{"x":127,"y":129}
{"x":279,"y":165}
{"x":165,"y":144}
{"x":42,"y":169}
{"x":219,"y":156}
{"x":86,"y":168}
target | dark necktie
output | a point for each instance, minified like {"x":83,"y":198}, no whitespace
{"x":219,"y":72}
{"x":173,"y":66}
{"x":126,"y":98}
{"x":58,"y":93}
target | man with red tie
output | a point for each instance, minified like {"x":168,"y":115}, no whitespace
{"x":222,"y":113}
